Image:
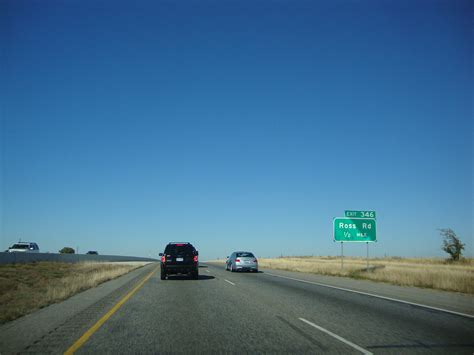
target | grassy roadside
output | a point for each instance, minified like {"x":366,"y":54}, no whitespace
{"x":427,"y":273}
{"x":25,"y":288}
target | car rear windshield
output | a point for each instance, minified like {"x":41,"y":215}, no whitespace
{"x":183,"y":249}
{"x":245,"y":255}
{"x":20,"y":246}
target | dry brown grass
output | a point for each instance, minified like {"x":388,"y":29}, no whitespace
{"x":25,"y":288}
{"x":428,"y":273}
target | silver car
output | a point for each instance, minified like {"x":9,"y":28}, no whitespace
{"x":24,"y":247}
{"x":242,"y":261}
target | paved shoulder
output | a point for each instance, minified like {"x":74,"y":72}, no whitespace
{"x":36,"y":328}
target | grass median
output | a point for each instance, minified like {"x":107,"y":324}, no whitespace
{"x":420,"y":272}
{"x":25,"y":288}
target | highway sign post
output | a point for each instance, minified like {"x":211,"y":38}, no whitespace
{"x":342,"y":255}
{"x":355,"y":229}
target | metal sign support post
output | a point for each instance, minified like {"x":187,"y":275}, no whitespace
{"x":367,"y":243}
{"x":342,"y":255}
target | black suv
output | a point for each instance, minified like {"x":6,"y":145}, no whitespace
{"x":179,"y":258}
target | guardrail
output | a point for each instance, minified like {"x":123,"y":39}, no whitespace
{"x":12,"y":258}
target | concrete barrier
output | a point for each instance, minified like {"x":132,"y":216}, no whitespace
{"x":12,"y":258}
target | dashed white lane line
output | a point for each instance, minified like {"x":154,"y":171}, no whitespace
{"x":345,"y":341}
{"x":233,"y":284}
{"x":207,"y":271}
{"x":373,"y":295}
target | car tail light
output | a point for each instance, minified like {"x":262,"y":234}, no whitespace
{"x":255,"y":260}
{"x":163,"y":259}
{"x":195,"y":258}
{"x":237,"y":260}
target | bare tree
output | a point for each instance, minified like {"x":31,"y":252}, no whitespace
{"x":451,"y":243}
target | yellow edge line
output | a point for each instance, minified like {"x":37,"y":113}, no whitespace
{"x":101,"y":321}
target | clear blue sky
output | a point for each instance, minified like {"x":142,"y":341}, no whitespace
{"x":235,"y":124}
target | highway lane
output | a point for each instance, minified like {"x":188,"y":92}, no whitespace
{"x":258,"y":313}
{"x":204,"y":316}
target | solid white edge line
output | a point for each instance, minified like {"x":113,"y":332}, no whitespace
{"x":374,"y":295}
{"x":355,"y":346}
{"x":233,"y":284}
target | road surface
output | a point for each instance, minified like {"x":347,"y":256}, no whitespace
{"x":226,"y":312}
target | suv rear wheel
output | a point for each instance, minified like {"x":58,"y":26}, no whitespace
{"x":163,"y":275}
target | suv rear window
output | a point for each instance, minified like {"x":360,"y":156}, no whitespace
{"x":182,"y":249}
{"x":245,"y":255}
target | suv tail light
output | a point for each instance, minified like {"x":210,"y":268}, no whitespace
{"x":195,"y":258}
{"x":237,"y":260}
{"x":255,"y":260}
{"x":163,"y":259}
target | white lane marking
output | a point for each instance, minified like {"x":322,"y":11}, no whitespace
{"x":229,"y":282}
{"x":345,"y":341}
{"x":377,"y":296}
{"x":207,"y":271}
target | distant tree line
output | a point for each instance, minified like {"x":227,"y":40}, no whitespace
{"x":67,"y":250}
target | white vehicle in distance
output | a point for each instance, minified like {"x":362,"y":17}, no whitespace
{"x":24,"y":247}
{"x":241,"y":261}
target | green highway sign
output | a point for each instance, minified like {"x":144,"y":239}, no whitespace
{"x":354,"y":229}
{"x":360,"y":214}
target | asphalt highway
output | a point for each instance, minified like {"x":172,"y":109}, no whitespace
{"x":226,"y":312}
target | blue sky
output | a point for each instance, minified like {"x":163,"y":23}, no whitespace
{"x":235,"y":124}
